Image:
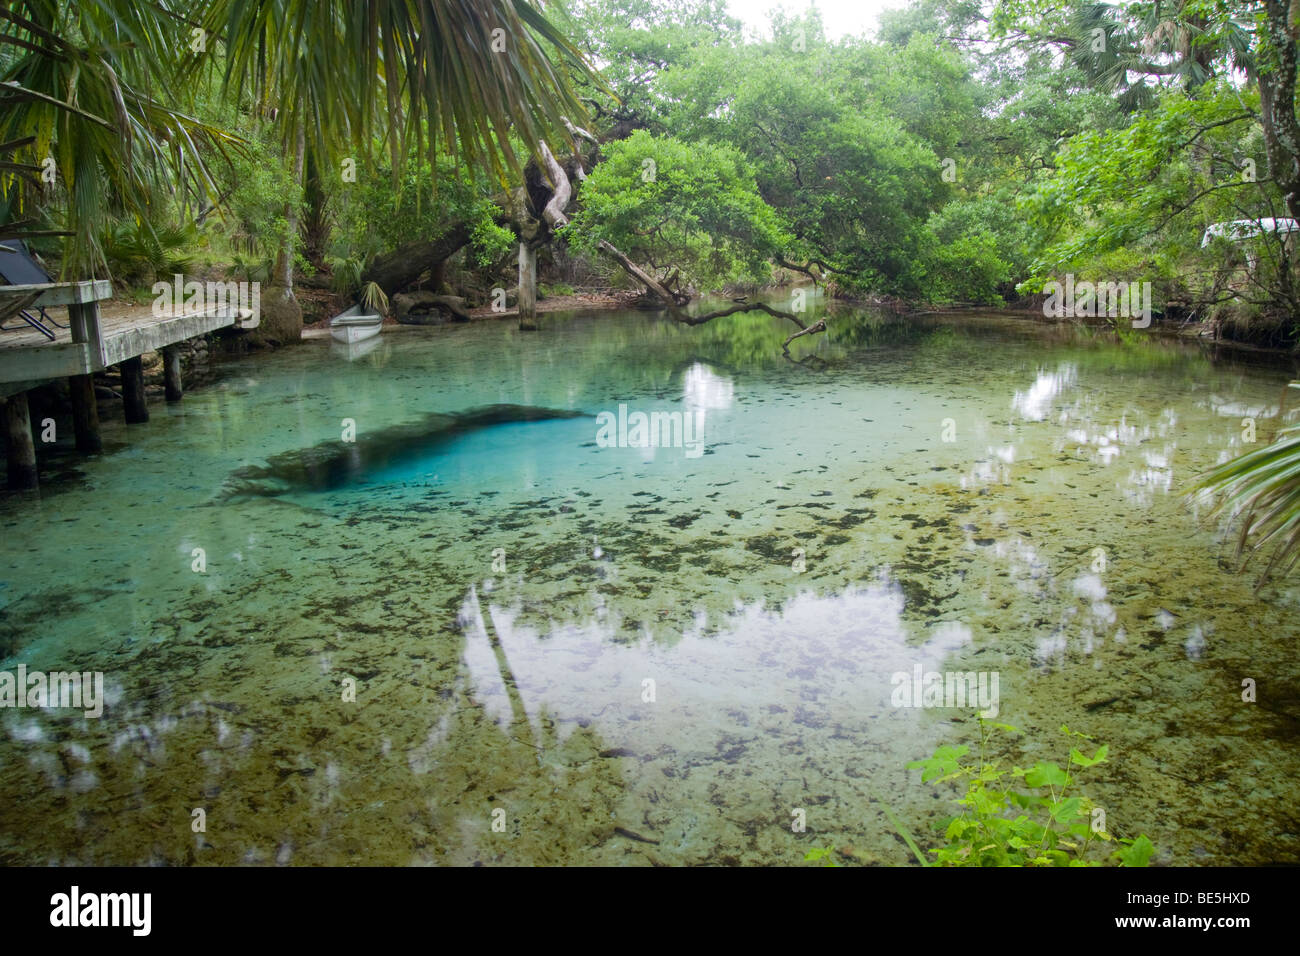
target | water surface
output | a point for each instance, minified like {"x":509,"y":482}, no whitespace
{"x":644,"y":655}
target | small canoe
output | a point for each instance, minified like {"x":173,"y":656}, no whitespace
{"x":353,"y":326}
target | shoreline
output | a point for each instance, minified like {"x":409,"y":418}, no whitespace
{"x":596,"y":301}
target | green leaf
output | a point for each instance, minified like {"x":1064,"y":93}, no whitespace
{"x":1137,"y":853}
{"x":903,"y":832}
{"x":1082,"y":761}
{"x":1046,"y":774}
{"x":1067,"y":811}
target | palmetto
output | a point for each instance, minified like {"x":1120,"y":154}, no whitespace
{"x":1262,"y":489}
{"x":83,"y":119}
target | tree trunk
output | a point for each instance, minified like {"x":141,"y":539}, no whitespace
{"x":316,"y":217}
{"x":563,"y":191}
{"x":284,"y":258}
{"x":1277,"y":86}
{"x":398,"y":269}
{"x":1277,"y":83}
{"x":527,"y":287}
{"x":281,"y":320}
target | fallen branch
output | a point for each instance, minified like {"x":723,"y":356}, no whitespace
{"x":655,"y":287}
{"x":806,"y":270}
{"x":818,"y":326}
{"x":686,"y":319}
{"x":674,"y":302}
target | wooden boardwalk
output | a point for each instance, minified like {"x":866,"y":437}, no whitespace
{"x":28,"y":358}
{"x":91,"y":343}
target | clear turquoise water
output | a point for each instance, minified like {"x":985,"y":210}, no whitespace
{"x":524,"y":691}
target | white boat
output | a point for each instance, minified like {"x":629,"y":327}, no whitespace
{"x":353,"y":325}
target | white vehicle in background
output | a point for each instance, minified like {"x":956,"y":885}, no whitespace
{"x":1239,"y":230}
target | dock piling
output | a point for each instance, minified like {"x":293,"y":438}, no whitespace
{"x":85,"y":414}
{"x":527,"y":301}
{"x":137,"y":409}
{"x":93,"y":343}
{"x":172,"y":373}
{"x":20,"y":450}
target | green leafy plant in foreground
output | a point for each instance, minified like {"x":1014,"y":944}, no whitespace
{"x":824,"y":856}
{"x":1021,"y":817}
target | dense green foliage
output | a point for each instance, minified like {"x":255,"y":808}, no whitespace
{"x":372,"y":216}
{"x":100,"y":98}
{"x":672,"y":205}
{"x":1014,"y":816}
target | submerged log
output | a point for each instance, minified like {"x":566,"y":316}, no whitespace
{"x":337,"y":464}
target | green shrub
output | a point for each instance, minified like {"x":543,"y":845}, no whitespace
{"x":137,"y":252}
{"x":555,"y":289}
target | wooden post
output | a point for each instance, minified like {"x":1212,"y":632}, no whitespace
{"x":527,"y":287}
{"x":137,"y":409}
{"x":172,"y":373}
{"x":83,"y":318}
{"x":85,"y":414}
{"x":19,"y":447}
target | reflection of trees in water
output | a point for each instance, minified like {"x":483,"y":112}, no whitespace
{"x":811,"y":361}
{"x":560,"y":794}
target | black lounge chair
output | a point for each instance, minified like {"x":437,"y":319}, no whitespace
{"x":17,"y":267}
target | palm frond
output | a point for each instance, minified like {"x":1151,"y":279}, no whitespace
{"x":1261,"y":489}
{"x":462,"y":75}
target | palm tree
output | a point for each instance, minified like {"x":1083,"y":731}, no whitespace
{"x":470,"y":73}
{"x":82,"y":125}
